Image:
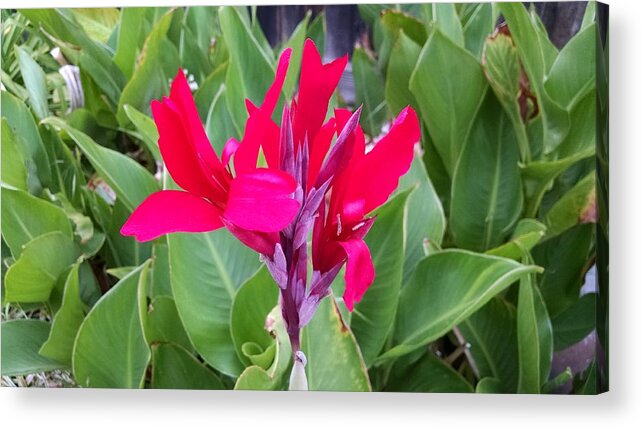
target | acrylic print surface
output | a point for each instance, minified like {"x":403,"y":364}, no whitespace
{"x":408,"y":198}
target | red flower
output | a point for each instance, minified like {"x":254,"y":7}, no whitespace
{"x":255,"y":204}
{"x":363,"y":185}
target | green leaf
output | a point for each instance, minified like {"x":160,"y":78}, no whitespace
{"x":372,"y":318}
{"x":157,"y":64}
{"x":538,"y":176}
{"x":369,"y":92}
{"x":147,"y":130}
{"x":110,"y":349}
{"x":576,"y":206}
{"x":28,"y":140}
{"x":252,"y":304}
{"x":582,"y":133}
{"x":487,"y":194}
{"x":59,"y":345}
{"x":334,"y":362}
{"x":534,"y":338}
{"x":527,"y":234}
{"x":317,"y":30}
{"x":575,"y":323}
{"x":131,"y":182}
{"x":135,"y":24}
{"x":255,"y":68}
{"x":295,"y":42}
{"x":273,"y":378}
{"x":35,"y":82}
{"x":98,"y":22}
{"x":586,"y":382}
{"x":220,"y":125}
{"x":429,"y":374}
{"x":445,"y":18}
{"x":492,"y":334}
{"x":573,"y":72}
{"x":160,"y":279}
{"x":448,"y":105}
{"x":32,"y":277}
{"x":396,"y":21}
{"x":206,"y":92}
{"x":175,"y":368}
{"x":489,"y":385}
{"x":564,"y":259}
{"x":206,"y":270}
{"x":425,"y":220}
{"x":25,"y":217}
{"x":164,"y":325}
{"x":403,"y":58}
{"x":446,"y":288}
{"x":21,"y":340}
{"x":14,"y":171}
{"x":479,"y":26}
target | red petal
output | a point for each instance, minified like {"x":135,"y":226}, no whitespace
{"x":390,"y":159}
{"x":170,"y":211}
{"x":260,"y":130}
{"x":317,"y":83}
{"x":359,"y":271}
{"x":261,"y":200}
{"x":261,"y":242}
{"x":231,"y":146}
{"x":181,"y":95}
{"x":272,"y":95}
{"x":319,"y":150}
{"x":179,"y":153}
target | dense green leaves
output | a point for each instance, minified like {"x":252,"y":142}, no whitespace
{"x":429,"y":374}
{"x":175,"y":368}
{"x":369,"y":92}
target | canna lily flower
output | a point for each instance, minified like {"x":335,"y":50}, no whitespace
{"x":363,"y":185}
{"x":255,"y":204}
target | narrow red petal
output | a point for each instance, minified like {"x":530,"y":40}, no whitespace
{"x":272,"y":95}
{"x":316,"y":85}
{"x":261,"y":200}
{"x":359,"y":271}
{"x":260,"y":130}
{"x":231,"y":146}
{"x":390,"y":158}
{"x":179,"y":153}
{"x":170,"y":211}
{"x":319,"y":149}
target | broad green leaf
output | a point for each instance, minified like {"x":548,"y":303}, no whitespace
{"x":564,"y":259}
{"x":576,"y":206}
{"x":255,"y":68}
{"x":206,"y":92}
{"x":14,"y":171}
{"x":272,"y":378}
{"x":492,"y":334}
{"x":252,"y":304}
{"x":21,"y":340}
{"x":534,"y":338}
{"x":334,"y":362}
{"x":369,"y":92}
{"x":445,"y":289}
{"x":396,"y":21}
{"x":575,"y":323}
{"x":430,"y":374}
{"x":131,"y":182}
{"x":206,"y":270}
{"x":503,"y":71}
{"x":425,"y":220}
{"x":146,"y":129}
{"x":479,"y":26}
{"x":25,"y":217}
{"x":526,"y":235}
{"x":489,"y":385}
{"x":219,"y":125}
{"x":32,"y":277}
{"x":175,"y":368}
{"x":164,"y":325}
{"x":30,"y":145}
{"x":449,"y":86}
{"x":160,"y":279}
{"x":110,"y":349}
{"x":573,"y":72}
{"x":135,"y":24}
{"x":538,"y":176}
{"x":403,"y":58}
{"x":537,"y":55}
{"x":35,"y":82}
{"x":372,"y":318}
{"x":59,"y":345}
{"x":445,"y":18}
{"x":487,"y":194}
{"x":316,"y":31}
{"x":157,"y":65}
{"x":589,"y":14}
{"x":582,"y":133}
{"x":295,"y":42}
{"x":98,"y":22}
